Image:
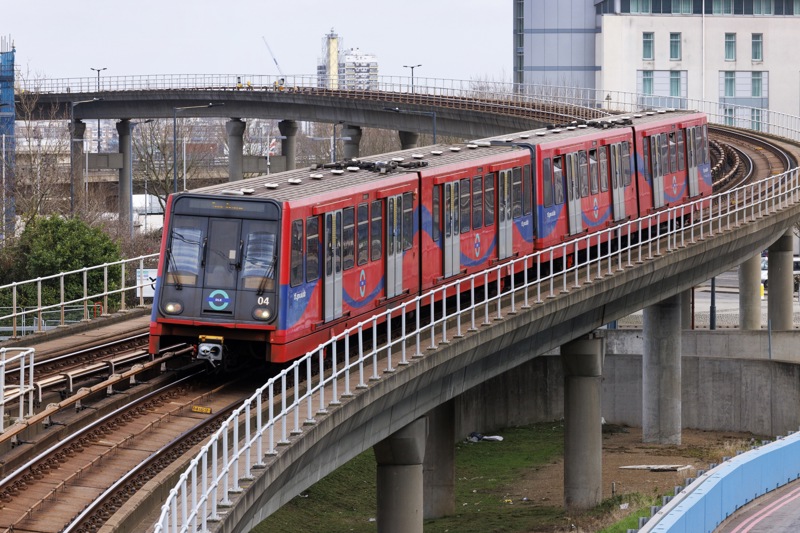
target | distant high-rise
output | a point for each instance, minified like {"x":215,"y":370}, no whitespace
{"x":345,"y":69}
{"x":7,"y":118}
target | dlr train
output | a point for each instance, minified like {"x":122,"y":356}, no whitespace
{"x":274,"y":266}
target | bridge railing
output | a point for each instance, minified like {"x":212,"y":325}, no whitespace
{"x":26,"y":304}
{"x":309,"y":388}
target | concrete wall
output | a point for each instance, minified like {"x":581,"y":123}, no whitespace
{"x":729,"y":384}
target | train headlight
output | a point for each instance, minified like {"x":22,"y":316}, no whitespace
{"x":262,"y":313}
{"x":173,"y":308}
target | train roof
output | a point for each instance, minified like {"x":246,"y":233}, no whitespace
{"x":323,"y":178}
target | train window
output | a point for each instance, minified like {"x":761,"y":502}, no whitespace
{"x":583,"y":172}
{"x":528,"y":187}
{"x":296,"y":260}
{"x":655,"y":157}
{"x":183,"y":265}
{"x":646,"y":155}
{"x":626,"y":162}
{"x":464,"y":203}
{"x":312,"y":249}
{"x":571,"y":171}
{"x":376,"y":232}
{"x":477,"y":202}
{"x":330,"y":239}
{"x":348,"y":238}
{"x":663,"y":144}
{"x":615,"y":181}
{"x":673,"y":153}
{"x":703,"y":144}
{"x":547,"y":182}
{"x":681,"y":152}
{"x":602,"y":157}
{"x":558,"y":182}
{"x":488,"y":199}
{"x":435,"y":210}
{"x":593,"y":171}
{"x":408,"y":220}
{"x":690,"y":147}
{"x":259,"y":261}
{"x":362,"y":225}
{"x":516,"y":192}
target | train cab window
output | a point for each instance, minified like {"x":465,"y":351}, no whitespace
{"x":260,"y":259}
{"x":547,"y":182}
{"x":408,"y":220}
{"x":602,"y":158}
{"x":296,"y":257}
{"x":558,"y":182}
{"x":464,"y":203}
{"x":527,"y":198}
{"x":673,"y":152}
{"x":583,"y":172}
{"x":516,"y":192}
{"x":435,"y":210}
{"x":477,"y":202}
{"x":376,"y":227}
{"x":593,"y":185}
{"x":183,"y":266}
{"x":681,"y":151}
{"x":362,"y":230}
{"x":348,"y":238}
{"x":626,"y":162}
{"x":488,"y":199}
{"x":312,"y":249}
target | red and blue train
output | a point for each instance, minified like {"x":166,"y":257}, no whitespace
{"x":273,"y":266}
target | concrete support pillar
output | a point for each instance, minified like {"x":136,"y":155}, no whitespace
{"x":408,"y":139}
{"x":661,"y":372}
{"x":583,"y":438}
{"x":781,"y":284}
{"x":288,"y":129}
{"x":399,"y":488}
{"x":750,"y":294}
{"x":235,"y":129}
{"x":687,"y":310}
{"x":351,"y":144}
{"x":125,"y":197}
{"x":77,"y":165}
{"x":439,"y":468}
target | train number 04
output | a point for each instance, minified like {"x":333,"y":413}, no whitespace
{"x":263,"y":300}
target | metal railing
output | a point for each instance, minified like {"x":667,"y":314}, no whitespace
{"x":18,"y":360}
{"x":309,"y":386}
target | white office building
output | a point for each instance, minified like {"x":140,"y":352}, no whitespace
{"x":736,"y":52}
{"x":345,"y":69}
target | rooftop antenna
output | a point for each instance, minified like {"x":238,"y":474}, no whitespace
{"x":273,"y":56}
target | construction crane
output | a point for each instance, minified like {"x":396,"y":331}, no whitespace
{"x":273,"y":56}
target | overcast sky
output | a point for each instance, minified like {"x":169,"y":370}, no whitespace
{"x":452,"y":39}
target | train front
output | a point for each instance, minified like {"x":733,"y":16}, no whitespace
{"x":217,"y":284}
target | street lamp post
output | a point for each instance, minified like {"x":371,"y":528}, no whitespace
{"x":412,"y":67}
{"x":130,"y":175}
{"x":175,"y":139}
{"x":431,"y":114}
{"x":3,"y":220}
{"x":72,"y":140}
{"x":332,"y":138}
{"x":99,"y":70}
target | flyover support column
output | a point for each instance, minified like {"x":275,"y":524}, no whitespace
{"x":288,"y":129}
{"x":78,"y":165}
{"x":439,"y":468}
{"x":351,"y":144}
{"x":687,"y":321}
{"x":125,"y":198}
{"x":408,"y":139}
{"x":583,"y":440}
{"x":399,"y":458}
{"x":235,"y":129}
{"x":661,"y":372}
{"x":781,"y":284}
{"x":750,"y":294}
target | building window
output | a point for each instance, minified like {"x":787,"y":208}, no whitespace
{"x":675,"y":83}
{"x":640,"y":6}
{"x":722,"y":7}
{"x":796,"y":10}
{"x":682,"y":7}
{"x":730,"y":83}
{"x":762,"y":7}
{"x":756,"y":84}
{"x":730,"y":47}
{"x":729,"y":116}
{"x":647,"y":45}
{"x":755,"y":119}
{"x":647,"y":82}
{"x":758,"y":47}
{"x":675,"y":46}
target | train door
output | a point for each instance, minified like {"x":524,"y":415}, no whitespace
{"x":691,"y":161}
{"x":574,"y":209}
{"x":505,"y":222}
{"x":452,"y":225}
{"x":221,"y":252}
{"x":657,"y":162}
{"x":333,"y":265}
{"x":617,"y":182}
{"x":394,"y":245}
